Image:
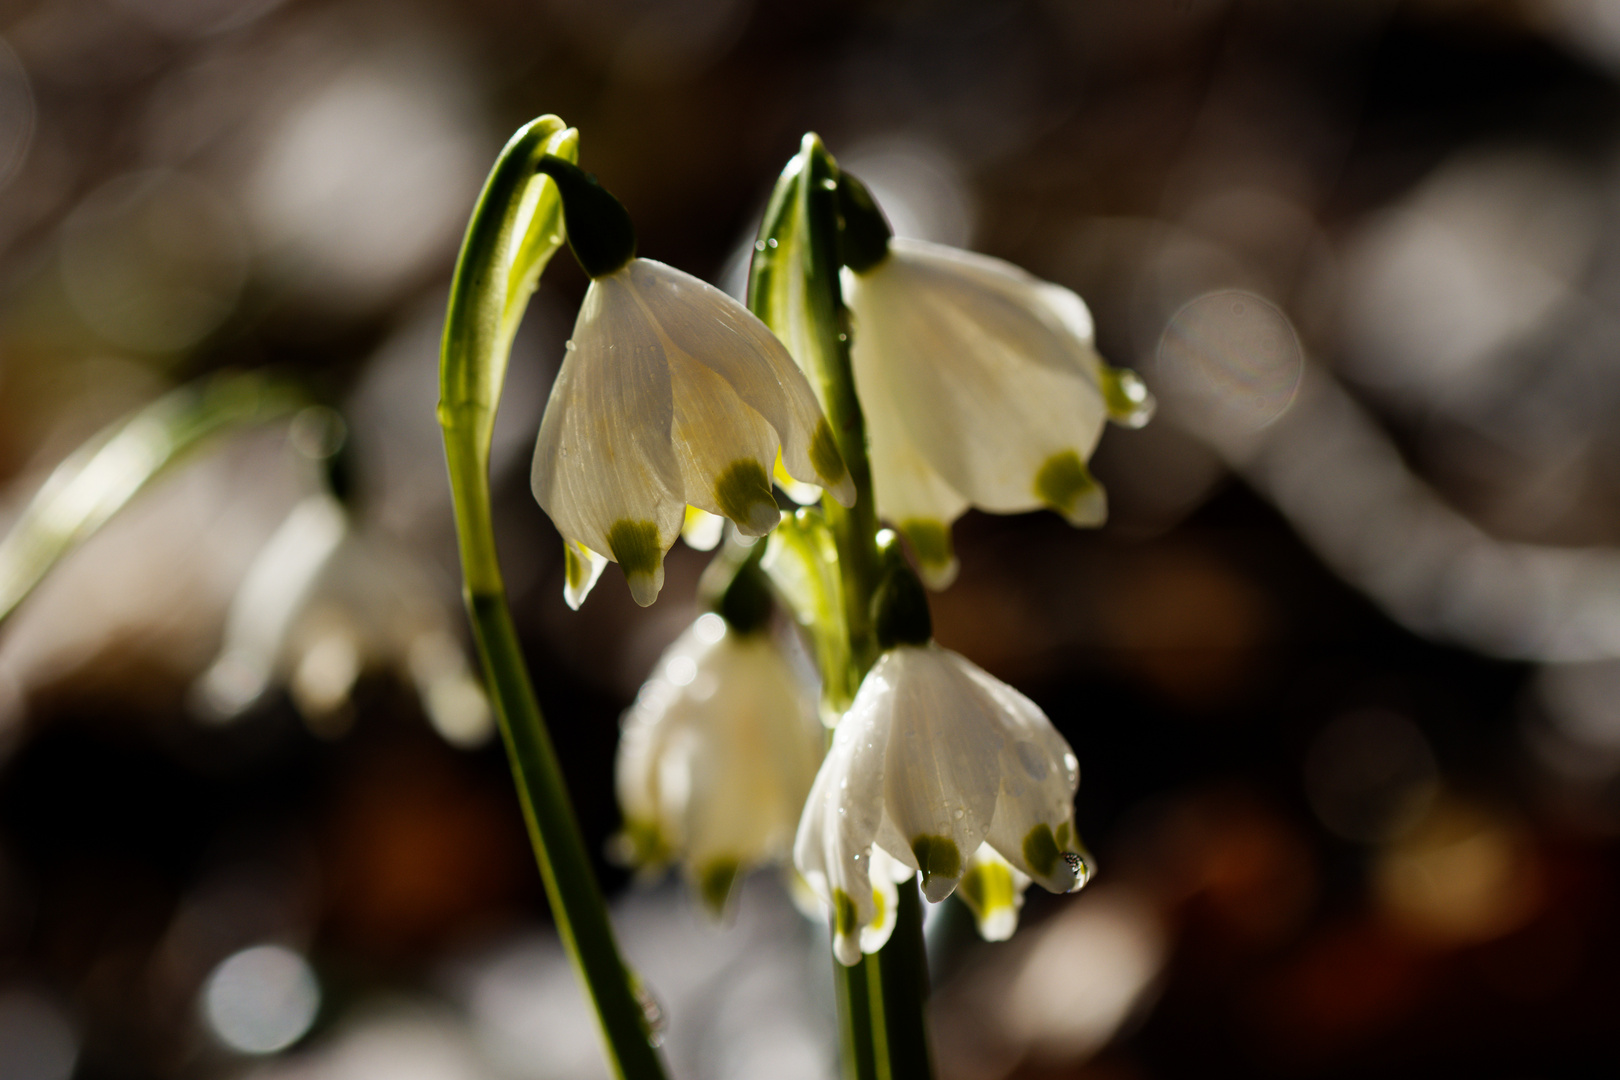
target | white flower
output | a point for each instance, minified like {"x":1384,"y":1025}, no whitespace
{"x":322,"y":603}
{"x":981,"y":386}
{"x":671,"y":394}
{"x":934,"y":758}
{"x":716,"y":758}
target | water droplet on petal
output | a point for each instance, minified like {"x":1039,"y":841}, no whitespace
{"x":1079,"y":868}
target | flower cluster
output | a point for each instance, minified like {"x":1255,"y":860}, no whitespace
{"x":980,"y":386}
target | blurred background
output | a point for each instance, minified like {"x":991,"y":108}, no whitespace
{"x":1342,"y":671}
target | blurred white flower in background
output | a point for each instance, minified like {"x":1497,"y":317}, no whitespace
{"x":322,"y":603}
{"x":717,"y":756}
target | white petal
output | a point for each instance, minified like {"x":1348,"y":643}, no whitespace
{"x":725,"y":448}
{"x":604,"y":466}
{"x":1001,"y":396}
{"x":1033,"y":827}
{"x":885,"y":874}
{"x":910,"y":494}
{"x":718,"y":754}
{"x":833,"y":848}
{"x":702,"y":530}
{"x":993,"y":890}
{"x":710,"y":326}
{"x":760,"y":753}
{"x":581,"y":569}
{"x":944,"y":748}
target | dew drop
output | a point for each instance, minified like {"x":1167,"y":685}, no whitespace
{"x":653,"y":1013}
{"x":1079,"y":868}
{"x":771,"y":242}
{"x":759,"y":245}
{"x":958,"y":814}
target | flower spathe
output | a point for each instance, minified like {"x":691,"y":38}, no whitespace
{"x":935,"y":758}
{"x":716,"y":758}
{"x":671,"y":394}
{"x":982,"y":386}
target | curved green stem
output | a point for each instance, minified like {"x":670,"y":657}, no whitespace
{"x":794,"y":288}
{"x":96,"y":480}
{"x":515,"y":229}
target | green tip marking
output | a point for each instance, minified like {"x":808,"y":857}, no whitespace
{"x":743,"y":486}
{"x":930,"y":539}
{"x":844,"y":915}
{"x":715,"y":881}
{"x":575,"y":566}
{"x":1062,"y":479}
{"x":986,"y":887}
{"x":635,"y":546}
{"x":1127,"y":399}
{"x":936,"y":855}
{"x":642,"y":843}
{"x":824,"y":455}
{"x":1041,"y":850}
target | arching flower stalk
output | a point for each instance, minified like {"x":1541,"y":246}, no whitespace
{"x":515,"y":229}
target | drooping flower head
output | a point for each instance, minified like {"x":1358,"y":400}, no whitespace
{"x":671,"y":394}
{"x":719,"y":750}
{"x":980,"y":383}
{"x":942,"y":769}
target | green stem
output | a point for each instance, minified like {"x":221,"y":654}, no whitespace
{"x":903,"y":964}
{"x":856,"y":1034}
{"x":854,"y":529}
{"x":882,"y":997}
{"x":514,"y":231}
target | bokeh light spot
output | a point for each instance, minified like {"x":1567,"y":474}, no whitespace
{"x":1232,"y":357}
{"x":1370,"y":776}
{"x":261,"y":1000}
{"x":36,"y":1040}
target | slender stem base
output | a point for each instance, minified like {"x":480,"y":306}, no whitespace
{"x":576,"y":902}
{"x":856,"y":1034}
{"x":903,"y":964}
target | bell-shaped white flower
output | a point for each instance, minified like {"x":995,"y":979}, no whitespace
{"x":716,"y":758}
{"x":671,"y":394}
{"x":981,"y":386}
{"x":326,"y":600}
{"x":935,"y":758}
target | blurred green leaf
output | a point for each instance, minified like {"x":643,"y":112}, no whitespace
{"x":96,"y":480}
